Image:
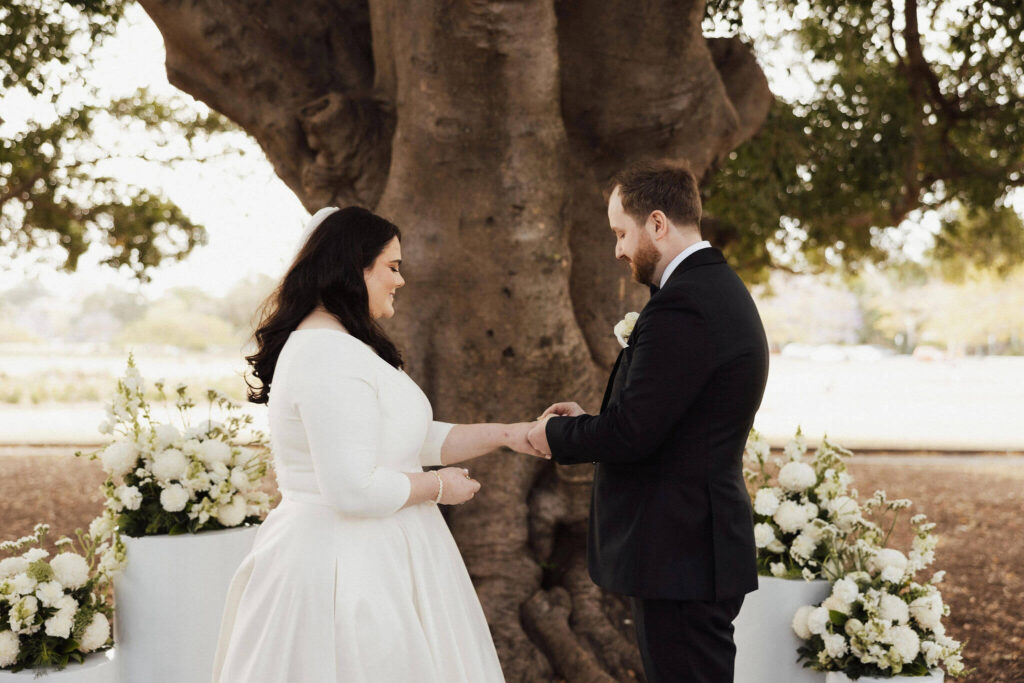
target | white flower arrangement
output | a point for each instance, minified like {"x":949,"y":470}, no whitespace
{"x":55,"y":611}
{"x":171,"y":479}
{"x":624,"y":328}
{"x":878,"y":621}
{"x":799,"y":507}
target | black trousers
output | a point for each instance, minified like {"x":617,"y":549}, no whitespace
{"x":686,"y":641}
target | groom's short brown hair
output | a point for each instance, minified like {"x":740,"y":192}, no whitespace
{"x":663,"y":185}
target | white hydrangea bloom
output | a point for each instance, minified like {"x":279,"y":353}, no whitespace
{"x":96,"y":633}
{"x":817,"y":620}
{"x":766,"y":501}
{"x":800,"y":627}
{"x":174,"y":498}
{"x":893,"y":608}
{"x":763,"y":534}
{"x":10,"y":647}
{"x":790,"y":517}
{"x":797,"y":476}
{"x":70,"y":569}
{"x":118,"y":459}
{"x":12,"y":566}
{"x":169,"y":464}
{"x":905,"y":642}
{"x":233,"y":513}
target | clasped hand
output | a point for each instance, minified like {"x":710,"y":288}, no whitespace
{"x":531,"y":437}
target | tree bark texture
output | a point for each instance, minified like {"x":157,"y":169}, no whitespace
{"x":486,"y":131}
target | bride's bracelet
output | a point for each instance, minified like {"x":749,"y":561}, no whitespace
{"x":440,"y":487}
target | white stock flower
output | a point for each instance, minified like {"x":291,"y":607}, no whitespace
{"x":102,"y":527}
{"x":214,"y":451}
{"x":23,"y":584}
{"x":219,"y":472}
{"x":905,"y":642}
{"x":893,"y":608}
{"x":624,"y":328}
{"x":796,"y":448}
{"x":888,"y":559}
{"x":118,"y":459}
{"x":23,"y":614}
{"x":808,"y":574}
{"x":817,"y":620}
{"x":49,"y":593}
{"x":12,"y":566}
{"x":778,"y":569}
{"x":233,"y":513}
{"x":927,"y":611}
{"x":800,"y":622}
{"x":776,"y":547}
{"x":96,"y":633}
{"x":844,"y":512}
{"x":791,"y":516}
{"x":932,"y":653}
{"x":834,"y":604}
{"x":803,"y":546}
{"x":240,"y":479}
{"x":846,"y":590}
{"x":35,"y":554}
{"x":766,"y":502}
{"x":174,"y":498}
{"x":169,"y":464}
{"x":59,"y":625}
{"x":797,"y":476}
{"x":835,"y":645}
{"x":70,"y":569}
{"x":130,"y":496}
{"x":10,"y":647}
{"x":892,"y":574}
{"x":853,"y":627}
{"x":763,"y":534}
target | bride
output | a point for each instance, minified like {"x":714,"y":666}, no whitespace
{"x":354,"y":576}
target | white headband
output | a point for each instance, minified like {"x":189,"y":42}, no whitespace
{"x":314,"y":221}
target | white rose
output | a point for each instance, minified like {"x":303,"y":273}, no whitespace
{"x":70,"y":569}
{"x":766,"y":502}
{"x":233,"y":513}
{"x":905,"y":642}
{"x":129,"y":496}
{"x":165,"y":435}
{"x":791,"y":517}
{"x":800,"y":622}
{"x":213,"y":451}
{"x":893,"y":608}
{"x":888,"y":558}
{"x":803,"y":546}
{"x":174,"y":498}
{"x":797,"y":476}
{"x":927,"y":610}
{"x":846,"y":590}
{"x":624,"y":328}
{"x":49,"y":593}
{"x":118,"y":459}
{"x":96,"y":633}
{"x":12,"y":566}
{"x":817,"y":620}
{"x":835,"y":645}
{"x":10,"y":646}
{"x":169,"y":464}
{"x":763,"y":535}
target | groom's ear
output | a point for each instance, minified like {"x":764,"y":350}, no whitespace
{"x":661,"y":223}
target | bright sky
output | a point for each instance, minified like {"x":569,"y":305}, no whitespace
{"x":252,"y":218}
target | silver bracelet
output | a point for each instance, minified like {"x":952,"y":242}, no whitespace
{"x":440,"y":487}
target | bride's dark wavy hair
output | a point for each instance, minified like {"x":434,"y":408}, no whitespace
{"x":328,"y":269}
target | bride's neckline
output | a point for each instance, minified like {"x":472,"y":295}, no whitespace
{"x":345,"y":333}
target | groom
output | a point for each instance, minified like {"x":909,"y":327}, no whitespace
{"x":670,"y":522}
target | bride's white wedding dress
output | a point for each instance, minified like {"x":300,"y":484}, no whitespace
{"x":343,"y":584}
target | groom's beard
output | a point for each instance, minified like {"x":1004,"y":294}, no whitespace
{"x":645,"y":261}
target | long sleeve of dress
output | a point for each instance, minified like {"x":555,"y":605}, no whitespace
{"x":336,"y":400}
{"x":430,"y":455}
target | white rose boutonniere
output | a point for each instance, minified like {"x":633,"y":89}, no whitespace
{"x":624,"y":328}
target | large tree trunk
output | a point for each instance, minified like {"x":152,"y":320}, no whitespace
{"x":485,"y":131}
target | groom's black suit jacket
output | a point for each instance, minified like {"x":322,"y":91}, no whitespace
{"x":670,"y":515}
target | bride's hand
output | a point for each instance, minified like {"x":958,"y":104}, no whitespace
{"x":518,"y":441}
{"x":458,"y":485}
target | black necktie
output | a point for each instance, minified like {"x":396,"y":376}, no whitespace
{"x":654,"y":290}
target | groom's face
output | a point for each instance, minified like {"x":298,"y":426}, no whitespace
{"x":633,"y":243}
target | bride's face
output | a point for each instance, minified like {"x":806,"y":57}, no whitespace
{"x":383,"y":279}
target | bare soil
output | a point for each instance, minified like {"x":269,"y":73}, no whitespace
{"x":975,"y":501}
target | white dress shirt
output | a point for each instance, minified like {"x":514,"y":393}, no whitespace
{"x":703,"y":244}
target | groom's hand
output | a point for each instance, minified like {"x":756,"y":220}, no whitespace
{"x":564,"y":409}
{"x":538,"y":435}
{"x":517,"y":440}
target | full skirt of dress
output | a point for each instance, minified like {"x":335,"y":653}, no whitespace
{"x":325,"y":598}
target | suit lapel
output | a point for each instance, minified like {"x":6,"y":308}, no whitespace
{"x":611,"y":380}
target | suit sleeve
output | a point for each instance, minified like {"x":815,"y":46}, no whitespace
{"x":671,"y":363}
{"x":337,"y":403}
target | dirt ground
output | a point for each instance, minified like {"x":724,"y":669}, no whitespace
{"x":975,"y":501}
